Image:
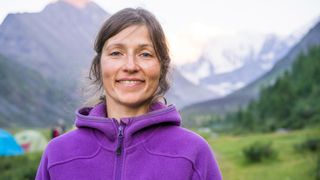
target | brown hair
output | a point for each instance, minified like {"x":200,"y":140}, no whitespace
{"x":118,"y":22}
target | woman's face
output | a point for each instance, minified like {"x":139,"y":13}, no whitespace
{"x":130,"y":68}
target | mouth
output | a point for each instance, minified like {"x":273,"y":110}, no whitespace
{"x":130,"y":82}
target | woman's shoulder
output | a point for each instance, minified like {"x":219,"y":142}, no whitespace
{"x":177,"y":141}
{"x":71,"y":137}
{"x":73,"y":144}
{"x":181,"y":134}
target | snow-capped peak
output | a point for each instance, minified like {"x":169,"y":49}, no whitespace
{"x":228,"y":53}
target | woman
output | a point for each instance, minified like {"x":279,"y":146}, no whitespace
{"x":129,"y":134}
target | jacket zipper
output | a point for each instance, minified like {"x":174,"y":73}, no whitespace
{"x":119,"y":151}
{"x":120,"y":140}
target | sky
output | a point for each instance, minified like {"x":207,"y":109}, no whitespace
{"x":190,"y":24}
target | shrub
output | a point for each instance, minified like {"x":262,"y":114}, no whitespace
{"x":19,"y":167}
{"x":258,"y":151}
{"x":311,"y":144}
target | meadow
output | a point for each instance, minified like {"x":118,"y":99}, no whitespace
{"x":290,"y":163}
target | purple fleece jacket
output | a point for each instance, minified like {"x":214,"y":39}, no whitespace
{"x":152,"y":146}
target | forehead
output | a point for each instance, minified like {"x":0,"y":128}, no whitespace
{"x":135,"y":34}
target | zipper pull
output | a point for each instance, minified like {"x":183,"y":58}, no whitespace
{"x":120,"y":139}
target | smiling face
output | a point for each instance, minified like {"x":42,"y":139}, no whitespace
{"x":130,"y":68}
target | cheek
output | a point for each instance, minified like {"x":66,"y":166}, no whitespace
{"x":154,"y":73}
{"x":107,"y":69}
{"x":107,"y":74}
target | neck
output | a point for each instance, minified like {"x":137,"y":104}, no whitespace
{"x":118,"y":111}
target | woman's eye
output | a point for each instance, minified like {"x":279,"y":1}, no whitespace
{"x":115,"y":53}
{"x":146,"y":54}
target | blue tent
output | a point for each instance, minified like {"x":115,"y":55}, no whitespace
{"x":8,"y":145}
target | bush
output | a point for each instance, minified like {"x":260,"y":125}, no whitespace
{"x":258,"y":151}
{"x":19,"y":167}
{"x":312,"y":145}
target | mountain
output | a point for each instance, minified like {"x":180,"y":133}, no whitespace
{"x":243,"y":96}
{"x":56,"y":42}
{"x":56,"y":46}
{"x":27,"y":99}
{"x":183,"y":92}
{"x":231,"y":62}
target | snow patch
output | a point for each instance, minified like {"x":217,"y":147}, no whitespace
{"x":228,"y":53}
{"x":268,"y":57}
{"x":225,"y":88}
{"x":266,"y":66}
{"x":78,"y":3}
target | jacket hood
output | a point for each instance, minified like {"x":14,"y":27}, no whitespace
{"x":96,"y":118}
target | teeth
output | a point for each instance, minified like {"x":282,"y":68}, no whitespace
{"x":129,"y":82}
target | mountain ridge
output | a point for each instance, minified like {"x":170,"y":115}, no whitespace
{"x":243,"y":96}
{"x":231,"y":62}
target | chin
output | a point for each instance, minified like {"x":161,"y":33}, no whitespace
{"x":135,"y":102}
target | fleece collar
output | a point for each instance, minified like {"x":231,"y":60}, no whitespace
{"x":95,"y":117}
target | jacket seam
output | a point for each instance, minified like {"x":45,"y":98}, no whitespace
{"x":75,"y":158}
{"x":130,"y":147}
{"x":137,"y":144}
{"x":99,"y":143}
{"x":172,"y":156}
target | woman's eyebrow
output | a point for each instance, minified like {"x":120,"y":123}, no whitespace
{"x":120,"y":45}
{"x":146,"y":45}
{"x":115,"y":45}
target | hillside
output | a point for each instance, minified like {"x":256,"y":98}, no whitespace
{"x":52,"y":50}
{"x":182,"y":92}
{"x":291,"y":103}
{"x":27,"y":99}
{"x":243,"y":96}
{"x":57,"y":41}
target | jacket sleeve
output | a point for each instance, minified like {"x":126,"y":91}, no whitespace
{"x":206,"y":166}
{"x":43,"y":173}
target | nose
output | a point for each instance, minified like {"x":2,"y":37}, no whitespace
{"x":131,"y":64}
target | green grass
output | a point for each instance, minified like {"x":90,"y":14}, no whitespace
{"x":290,"y":164}
{"x":19,"y":167}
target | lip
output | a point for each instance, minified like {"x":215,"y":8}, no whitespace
{"x":130,"y":82}
{"x":129,"y":79}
